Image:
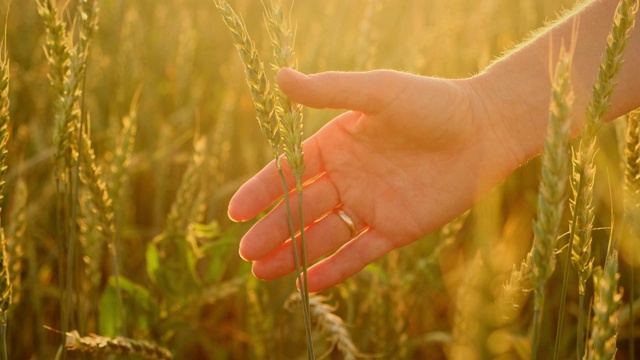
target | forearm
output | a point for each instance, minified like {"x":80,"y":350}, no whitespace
{"x":519,"y":84}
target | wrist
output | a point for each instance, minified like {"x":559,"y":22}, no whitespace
{"x":517,"y":121}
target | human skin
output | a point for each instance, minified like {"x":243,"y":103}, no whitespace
{"x":413,"y":152}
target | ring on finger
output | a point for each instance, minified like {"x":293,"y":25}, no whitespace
{"x":349,"y":221}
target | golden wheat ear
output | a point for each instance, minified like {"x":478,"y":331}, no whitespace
{"x":255,"y":75}
{"x":103,"y":346}
{"x":606,"y":303}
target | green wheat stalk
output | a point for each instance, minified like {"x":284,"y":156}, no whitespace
{"x":68,"y":64}
{"x":552,"y":192}
{"x":270,"y":118}
{"x":5,"y":278}
{"x":584,"y":167}
{"x":290,"y":120}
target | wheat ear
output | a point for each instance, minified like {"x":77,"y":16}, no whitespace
{"x":514,"y":292}
{"x":255,"y":74}
{"x":183,"y":206}
{"x":102,"y":346}
{"x":607,"y":299}
{"x":289,"y":116}
{"x":553,"y":185}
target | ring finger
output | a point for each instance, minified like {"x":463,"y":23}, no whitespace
{"x":268,"y":233}
{"x":321,"y":238}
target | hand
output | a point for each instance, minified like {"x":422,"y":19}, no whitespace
{"x":413,"y":153}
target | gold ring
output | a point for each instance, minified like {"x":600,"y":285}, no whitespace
{"x":347,"y":220}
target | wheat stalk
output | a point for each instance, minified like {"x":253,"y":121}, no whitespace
{"x":607,"y":299}
{"x":68,"y":64}
{"x":583,"y":161}
{"x":5,"y":272}
{"x":289,"y":115}
{"x":281,"y":124}
{"x":553,"y":184}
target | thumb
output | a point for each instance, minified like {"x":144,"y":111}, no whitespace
{"x":366,"y":92}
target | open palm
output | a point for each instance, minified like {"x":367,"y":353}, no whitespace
{"x":413,"y":153}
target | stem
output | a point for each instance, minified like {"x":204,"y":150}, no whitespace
{"x":305,"y":286}
{"x":3,"y":339}
{"x":631,"y":315}
{"x":301,"y":277}
{"x":537,"y":319}
{"x":581,"y":328}
{"x":565,"y":276}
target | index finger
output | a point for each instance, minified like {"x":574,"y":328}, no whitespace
{"x":366,"y":92}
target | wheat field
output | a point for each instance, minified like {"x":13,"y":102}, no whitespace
{"x":127,"y":126}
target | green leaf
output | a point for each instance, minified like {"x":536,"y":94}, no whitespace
{"x":153,"y":261}
{"x":140,"y":311}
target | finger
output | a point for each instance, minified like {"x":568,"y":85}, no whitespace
{"x":323,"y":237}
{"x":348,"y":260}
{"x":271,"y":231}
{"x":265,"y":188}
{"x":367,"y":92}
